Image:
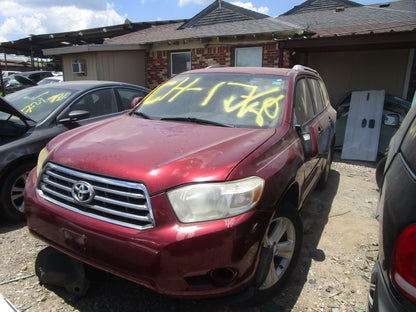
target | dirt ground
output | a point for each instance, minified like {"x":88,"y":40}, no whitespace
{"x":339,"y":251}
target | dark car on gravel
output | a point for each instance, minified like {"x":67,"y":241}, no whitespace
{"x":31,"y":117}
{"x":195,"y":193}
{"x":393,"y":281}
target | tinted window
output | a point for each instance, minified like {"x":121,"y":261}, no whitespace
{"x":409,"y":146}
{"x":318,"y":104}
{"x":303,"y":104}
{"x":127,"y":95}
{"x":324,"y":93}
{"x":100,"y":102}
{"x":38,"y":103}
{"x":180,"y":62}
{"x":240,"y":100}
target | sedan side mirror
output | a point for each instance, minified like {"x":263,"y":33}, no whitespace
{"x":75,"y":115}
{"x":308,"y":138}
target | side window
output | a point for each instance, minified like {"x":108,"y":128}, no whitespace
{"x":98,"y":103}
{"x":303,"y":104}
{"x":318,"y":103}
{"x":127,"y":95}
{"x":324,"y":93}
{"x":179,"y":62}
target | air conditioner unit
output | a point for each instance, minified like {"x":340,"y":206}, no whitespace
{"x":78,"y":68}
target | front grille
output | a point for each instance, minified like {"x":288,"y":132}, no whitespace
{"x":111,"y":200}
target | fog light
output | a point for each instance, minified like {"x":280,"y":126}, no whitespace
{"x":223,"y":275}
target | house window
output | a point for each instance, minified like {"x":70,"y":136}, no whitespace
{"x":180,"y":62}
{"x":249,"y":57}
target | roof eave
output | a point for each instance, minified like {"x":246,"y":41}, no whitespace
{"x":93,"y":48}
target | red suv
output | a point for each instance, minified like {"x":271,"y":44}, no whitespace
{"x":196,"y":192}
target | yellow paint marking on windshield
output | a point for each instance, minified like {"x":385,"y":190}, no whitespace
{"x":412,"y":130}
{"x":40,"y":95}
{"x":249,"y":104}
{"x":177,"y":88}
{"x":262,"y":104}
{"x":211,"y":93}
{"x":183,"y":89}
{"x":58,"y":97}
{"x":40,"y":99}
{"x":149,"y":98}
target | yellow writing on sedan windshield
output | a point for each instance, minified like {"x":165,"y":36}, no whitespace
{"x":44,"y":98}
{"x":237,"y":97}
{"x":412,"y":130}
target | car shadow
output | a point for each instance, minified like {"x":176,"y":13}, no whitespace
{"x":9,"y":226}
{"x":110,"y":293}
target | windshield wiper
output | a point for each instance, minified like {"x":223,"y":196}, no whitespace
{"x":197,"y":121}
{"x":143,"y":115}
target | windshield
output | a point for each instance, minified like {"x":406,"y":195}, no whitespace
{"x":238,"y":100}
{"x":38,"y":103}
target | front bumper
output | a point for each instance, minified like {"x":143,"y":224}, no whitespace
{"x":197,"y":260}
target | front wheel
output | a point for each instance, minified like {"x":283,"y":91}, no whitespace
{"x":12,"y":192}
{"x":283,"y":241}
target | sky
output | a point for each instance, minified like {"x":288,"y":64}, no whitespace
{"x":20,"y":18}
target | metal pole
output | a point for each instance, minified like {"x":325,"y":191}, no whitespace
{"x":1,"y":82}
{"x":5,"y":60}
{"x":31,"y":58}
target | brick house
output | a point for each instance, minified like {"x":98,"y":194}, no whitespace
{"x":353,"y":46}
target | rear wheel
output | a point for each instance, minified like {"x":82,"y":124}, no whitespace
{"x":283,"y":240}
{"x":12,"y":192}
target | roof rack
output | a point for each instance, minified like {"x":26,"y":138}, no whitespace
{"x":301,"y":67}
{"x":215,"y":66}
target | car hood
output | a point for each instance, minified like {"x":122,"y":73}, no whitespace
{"x":6,"y":107}
{"x":161,"y":154}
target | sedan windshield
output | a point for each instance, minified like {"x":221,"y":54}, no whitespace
{"x":229,"y":99}
{"x":38,"y":103}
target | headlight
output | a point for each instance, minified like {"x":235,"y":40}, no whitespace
{"x":41,"y":159}
{"x":210,"y":201}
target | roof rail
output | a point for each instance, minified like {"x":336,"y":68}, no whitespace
{"x":215,"y":66}
{"x":301,"y":67}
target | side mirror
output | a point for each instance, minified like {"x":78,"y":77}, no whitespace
{"x":75,"y":115}
{"x":136,"y":101}
{"x":308,"y":138}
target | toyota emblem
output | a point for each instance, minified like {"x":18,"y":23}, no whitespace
{"x":83,"y":192}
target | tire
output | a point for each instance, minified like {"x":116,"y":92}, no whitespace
{"x":284,"y":237}
{"x":12,"y":192}
{"x":323,"y":180}
{"x":380,"y":171}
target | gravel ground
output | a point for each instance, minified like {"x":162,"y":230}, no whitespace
{"x":339,"y":251}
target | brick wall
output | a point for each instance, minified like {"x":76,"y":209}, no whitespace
{"x":211,"y":56}
{"x":157,"y":62}
{"x":157,"y":68}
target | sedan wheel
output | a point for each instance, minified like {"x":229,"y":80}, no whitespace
{"x":17,"y":192}
{"x":12,"y":192}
